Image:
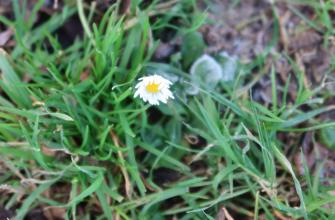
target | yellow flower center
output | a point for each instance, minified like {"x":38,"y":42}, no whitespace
{"x":152,"y":87}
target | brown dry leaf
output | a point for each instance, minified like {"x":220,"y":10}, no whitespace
{"x":5,"y":6}
{"x":163,"y":51}
{"x":303,"y":40}
{"x":322,"y":63}
{"x":127,"y":183}
{"x":301,"y":67}
{"x":53,"y":213}
{"x":5,"y":36}
{"x":224,"y":215}
{"x":280,"y":216}
{"x":124,"y":7}
{"x":283,"y":67}
{"x":147,"y":185}
{"x":314,"y":153}
{"x":283,"y":32}
{"x":47,"y":151}
{"x":84,"y":75}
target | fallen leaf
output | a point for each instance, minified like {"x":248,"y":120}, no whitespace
{"x":54,"y":213}
{"x":205,"y":71}
{"x":303,"y":40}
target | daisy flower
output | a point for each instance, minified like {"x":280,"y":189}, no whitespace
{"x":154,"y":89}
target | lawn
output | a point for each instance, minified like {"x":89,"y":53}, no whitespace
{"x":178,"y":109}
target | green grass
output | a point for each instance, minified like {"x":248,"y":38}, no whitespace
{"x":106,"y":147}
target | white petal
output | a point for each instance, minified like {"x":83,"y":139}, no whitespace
{"x":154,"y":98}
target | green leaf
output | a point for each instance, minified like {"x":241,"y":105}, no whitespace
{"x":328,"y":137}
{"x":88,"y":191}
{"x":31,"y":199}
{"x":61,"y":116}
{"x":11,"y":83}
{"x":193,"y":47}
